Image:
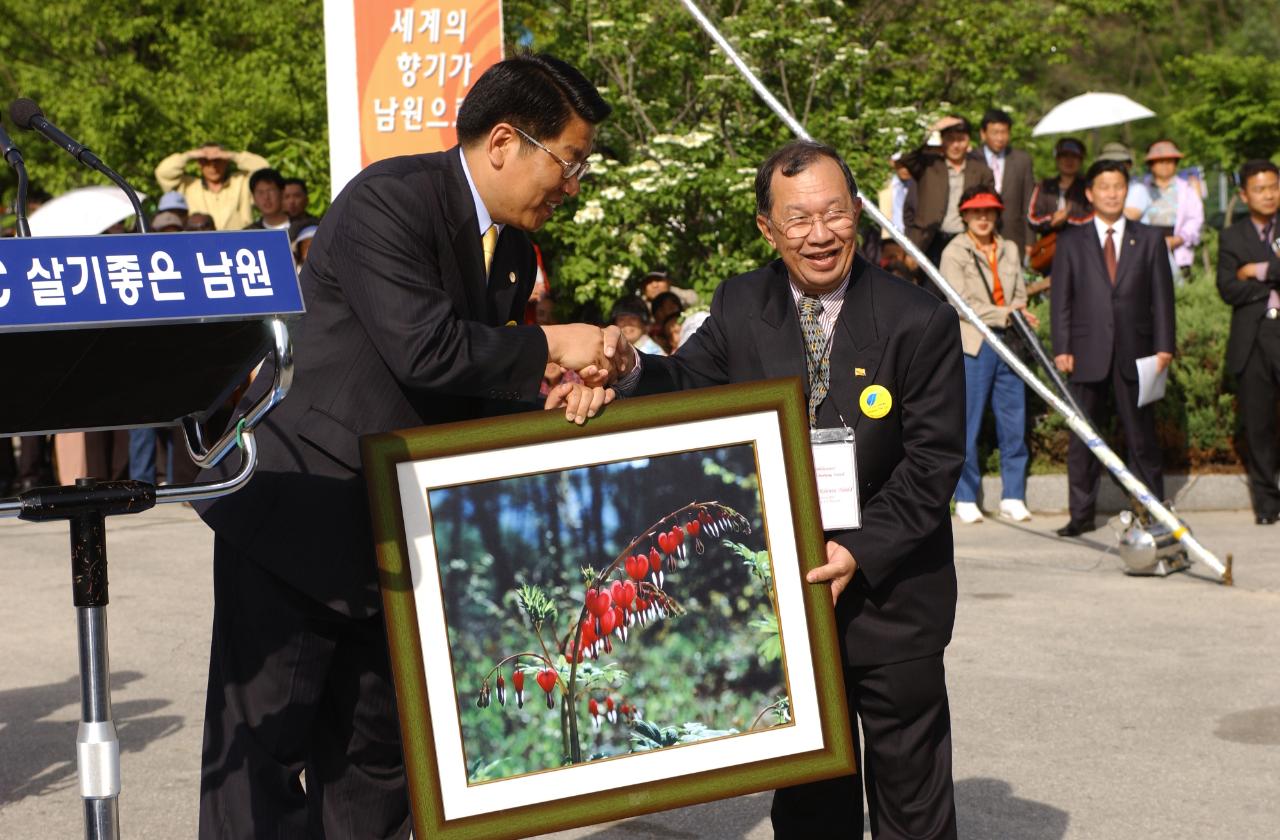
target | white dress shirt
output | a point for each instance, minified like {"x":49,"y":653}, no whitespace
{"x":1117,"y":236}
{"x":482,"y":213}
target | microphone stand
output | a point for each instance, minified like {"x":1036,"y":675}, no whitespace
{"x":20,"y":203}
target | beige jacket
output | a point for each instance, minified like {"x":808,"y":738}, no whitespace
{"x":232,"y":206}
{"x":973,"y":281}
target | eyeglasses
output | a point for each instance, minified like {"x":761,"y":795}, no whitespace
{"x":798,"y":227}
{"x":568,"y":169}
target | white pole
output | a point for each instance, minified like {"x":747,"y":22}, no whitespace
{"x":1079,"y":425}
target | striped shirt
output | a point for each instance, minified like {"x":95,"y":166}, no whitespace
{"x":832,"y":301}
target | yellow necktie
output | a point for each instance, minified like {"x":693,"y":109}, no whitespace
{"x":490,"y":243}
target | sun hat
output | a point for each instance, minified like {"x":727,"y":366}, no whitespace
{"x":981,"y":201}
{"x":1164,"y":150}
{"x":172,"y":201}
{"x":1116,"y":151}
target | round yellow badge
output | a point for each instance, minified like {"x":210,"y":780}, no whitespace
{"x":875,"y":401}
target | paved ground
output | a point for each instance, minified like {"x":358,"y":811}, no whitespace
{"x":1085,"y":704}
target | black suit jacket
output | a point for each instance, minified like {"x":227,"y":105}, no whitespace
{"x":1093,"y":320}
{"x":1241,"y":244}
{"x":901,"y":603}
{"x":401,"y":330}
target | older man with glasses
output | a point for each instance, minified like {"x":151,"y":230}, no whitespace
{"x":880,"y":357}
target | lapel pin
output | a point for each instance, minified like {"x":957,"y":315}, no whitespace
{"x":512,"y":277}
{"x":859,"y":371}
{"x":1133,"y":242}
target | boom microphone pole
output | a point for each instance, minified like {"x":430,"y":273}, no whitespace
{"x":1077,"y":422}
{"x":27,"y":114}
{"x":13,"y":157}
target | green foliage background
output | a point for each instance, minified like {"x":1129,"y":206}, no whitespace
{"x":702,"y":667}
{"x":138,"y":79}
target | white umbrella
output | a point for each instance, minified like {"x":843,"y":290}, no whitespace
{"x":1090,"y":110}
{"x":82,"y":212}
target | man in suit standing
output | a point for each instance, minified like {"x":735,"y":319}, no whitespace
{"x":1111,"y":304}
{"x":1249,"y":280}
{"x":941,"y":177}
{"x":882,"y":356}
{"x":1012,"y":173}
{"x":414,"y":286}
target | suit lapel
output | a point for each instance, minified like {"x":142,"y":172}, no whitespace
{"x":856,"y":345}
{"x":1131,"y":241}
{"x":464,"y":235}
{"x":779,"y":340}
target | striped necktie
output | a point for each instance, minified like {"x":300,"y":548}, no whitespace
{"x":815,"y":342}
{"x":490,"y":243}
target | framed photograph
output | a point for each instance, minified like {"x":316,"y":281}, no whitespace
{"x":589,"y":623}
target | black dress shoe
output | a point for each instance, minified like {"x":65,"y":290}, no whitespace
{"x":1267,"y":519}
{"x":1075,"y":529}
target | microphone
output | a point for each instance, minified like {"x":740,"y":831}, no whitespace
{"x":25,"y":113}
{"x":13,"y":157}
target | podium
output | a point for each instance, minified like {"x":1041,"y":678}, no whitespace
{"x":134,"y":331}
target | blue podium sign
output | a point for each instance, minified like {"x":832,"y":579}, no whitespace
{"x":69,"y":282}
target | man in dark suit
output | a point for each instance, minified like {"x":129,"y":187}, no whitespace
{"x":885,"y":361}
{"x":1013,"y":175}
{"x":942,"y":175}
{"x":1249,"y":280}
{"x":413,"y":287}
{"x":1112,"y":303}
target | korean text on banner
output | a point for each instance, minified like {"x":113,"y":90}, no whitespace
{"x":411,"y":64}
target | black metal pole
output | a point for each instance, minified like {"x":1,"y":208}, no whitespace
{"x":86,"y":507}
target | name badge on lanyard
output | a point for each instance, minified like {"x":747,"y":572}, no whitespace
{"x":836,"y":467}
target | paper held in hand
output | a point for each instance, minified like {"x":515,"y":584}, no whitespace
{"x":1151,"y":380}
{"x":836,"y":467}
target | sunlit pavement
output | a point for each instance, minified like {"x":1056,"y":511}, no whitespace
{"x":1085,"y":704}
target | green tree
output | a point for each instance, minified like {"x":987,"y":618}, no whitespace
{"x":136,"y":80}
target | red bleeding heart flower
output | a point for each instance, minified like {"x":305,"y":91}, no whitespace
{"x":664,"y":543}
{"x":598,"y":602}
{"x":693,"y":528}
{"x":502,"y":691}
{"x":655,"y":560}
{"x":637,"y":567}
{"x":677,"y":534}
{"x":547,"y":679}
{"x":594,"y":709}
{"x":624,"y":594}
{"x":610,"y":711}
{"x":607,"y":622}
{"x":517,"y":682}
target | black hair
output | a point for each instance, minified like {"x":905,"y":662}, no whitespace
{"x":630,"y":305}
{"x":535,"y":92}
{"x":1256,"y":167}
{"x":792,"y":159}
{"x":1100,"y":166}
{"x":265,"y":175}
{"x":995,"y":115}
{"x":976,"y":190}
{"x":661,"y":299}
{"x":298,"y":181}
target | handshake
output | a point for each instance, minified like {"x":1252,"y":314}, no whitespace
{"x":599,"y":356}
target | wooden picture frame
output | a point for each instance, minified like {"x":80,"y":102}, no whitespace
{"x":428,"y":488}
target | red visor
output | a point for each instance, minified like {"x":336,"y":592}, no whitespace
{"x":982,"y":201}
